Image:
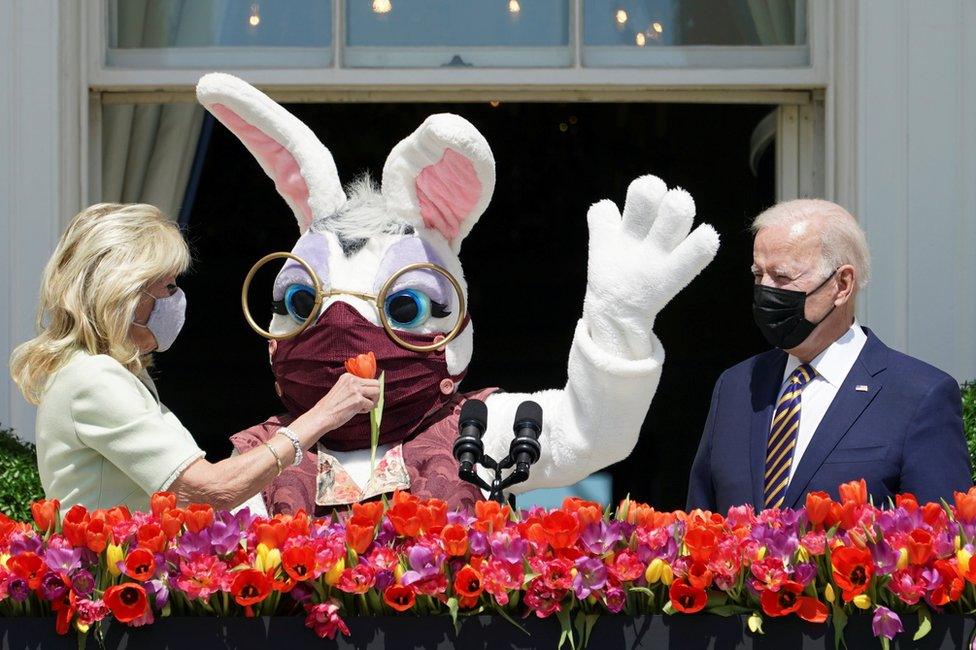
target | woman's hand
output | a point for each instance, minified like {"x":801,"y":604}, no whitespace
{"x":350,"y":396}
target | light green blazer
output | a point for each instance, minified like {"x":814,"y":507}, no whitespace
{"x":104,"y":439}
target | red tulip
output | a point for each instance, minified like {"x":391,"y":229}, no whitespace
{"x":140,"y":564}
{"x":249,"y":587}
{"x":28,"y":566}
{"x":966,"y":505}
{"x":467,"y":582}
{"x":151,"y":536}
{"x":919,"y":543}
{"x":372,"y":510}
{"x":362,"y":365}
{"x":562,"y":529}
{"x":299,"y":562}
{"x":852,"y":570}
{"x":687,"y":599}
{"x":74,"y":525}
{"x":855,"y":492}
{"x":127,"y":601}
{"x":46,"y":513}
{"x":399,"y":597}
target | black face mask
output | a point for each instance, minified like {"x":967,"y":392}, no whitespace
{"x":779,"y":313}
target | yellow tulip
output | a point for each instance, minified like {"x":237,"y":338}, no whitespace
{"x":654,"y":570}
{"x":863,"y":601}
{"x":761,"y":553}
{"x":3,"y":559}
{"x":802,"y":554}
{"x":755,"y":623}
{"x":829,"y":593}
{"x":81,"y":627}
{"x":902,"y":558}
{"x":113,"y":555}
{"x":962,"y":557}
{"x":267,"y":558}
{"x":957,"y":542}
{"x":667,"y":575}
{"x":398,"y":572}
{"x":332,"y":576}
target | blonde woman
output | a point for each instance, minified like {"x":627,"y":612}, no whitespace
{"x":108,"y":299}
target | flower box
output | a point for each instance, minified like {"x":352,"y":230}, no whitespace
{"x":393,"y":633}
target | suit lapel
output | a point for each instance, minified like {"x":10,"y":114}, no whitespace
{"x":767,"y":377}
{"x":841,"y":415}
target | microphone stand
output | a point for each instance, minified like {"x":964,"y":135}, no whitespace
{"x":498,"y":484}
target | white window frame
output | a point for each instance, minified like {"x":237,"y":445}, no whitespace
{"x":798,"y":91}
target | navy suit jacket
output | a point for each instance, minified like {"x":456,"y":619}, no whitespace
{"x":903,"y":434}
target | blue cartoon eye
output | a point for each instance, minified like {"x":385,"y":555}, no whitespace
{"x":299,"y":301}
{"x":409,"y":308}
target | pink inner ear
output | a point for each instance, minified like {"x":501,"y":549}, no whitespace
{"x":447,"y":191}
{"x":281,"y":165}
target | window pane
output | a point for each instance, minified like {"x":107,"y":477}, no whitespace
{"x":434,"y":33}
{"x":695,"y":33}
{"x":231,"y":33}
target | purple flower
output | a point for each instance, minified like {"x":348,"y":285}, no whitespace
{"x":598,"y":538}
{"x":804,"y":573}
{"x":384,"y":579}
{"x":505,"y":546}
{"x":422,"y":562}
{"x":193,"y":544}
{"x":63,"y":559}
{"x":82,"y":582}
{"x":886,"y":623}
{"x":225,"y":533}
{"x":885,"y":557}
{"x":386,"y":533}
{"x":478,"y":543}
{"x":53,"y":587}
{"x":159,"y":591}
{"x":18,"y":589}
{"x":615,"y":599}
{"x":591,"y":575}
{"x":300,"y":593}
{"x":24,"y":543}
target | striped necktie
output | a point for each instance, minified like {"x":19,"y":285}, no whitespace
{"x":782,"y":436}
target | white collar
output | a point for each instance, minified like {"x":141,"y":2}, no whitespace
{"x":833,"y":364}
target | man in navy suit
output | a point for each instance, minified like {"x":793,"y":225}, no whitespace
{"x":831,"y":403}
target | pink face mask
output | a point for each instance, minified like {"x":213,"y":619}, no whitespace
{"x":417,"y":384}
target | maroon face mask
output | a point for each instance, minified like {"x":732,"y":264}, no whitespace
{"x":307,"y":366}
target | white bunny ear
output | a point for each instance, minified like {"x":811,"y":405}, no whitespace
{"x":441,"y":177}
{"x":300,"y":166}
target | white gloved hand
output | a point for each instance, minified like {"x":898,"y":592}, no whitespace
{"x":639,"y":262}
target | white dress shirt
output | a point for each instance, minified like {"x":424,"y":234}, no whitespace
{"x":832,"y":366}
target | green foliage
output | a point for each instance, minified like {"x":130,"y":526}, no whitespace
{"x":969,"y":420}
{"x":20,"y":484}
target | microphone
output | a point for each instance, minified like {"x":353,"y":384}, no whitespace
{"x":525,"y":448}
{"x":468,"y":447}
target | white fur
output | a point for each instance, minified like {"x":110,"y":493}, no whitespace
{"x":637,"y":262}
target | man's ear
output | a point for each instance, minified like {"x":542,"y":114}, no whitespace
{"x":847,"y":283}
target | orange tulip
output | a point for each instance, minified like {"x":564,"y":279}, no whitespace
{"x":467,"y":582}
{"x":372,"y":510}
{"x":97,"y":535}
{"x":587,"y":512}
{"x":140,"y":564}
{"x":818,"y":507}
{"x":455,"y":540}
{"x":919,"y":546}
{"x":906,"y":501}
{"x":45,"y":513}
{"x":966,"y":505}
{"x":360,"y":531}
{"x":172,"y":522}
{"x":855,"y":492}
{"x":701,"y":543}
{"x":491,"y":516}
{"x":151,"y":536}
{"x":74,"y":525}
{"x":562,"y":529}
{"x":362,"y":365}
{"x":160,"y":502}
{"x":198,"y":516}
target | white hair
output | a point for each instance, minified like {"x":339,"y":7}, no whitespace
{"x":364,"y":215}
{"x":841,"y":239}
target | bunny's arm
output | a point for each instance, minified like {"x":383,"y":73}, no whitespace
{"x":637,"y":263}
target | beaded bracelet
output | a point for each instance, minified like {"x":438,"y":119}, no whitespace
{"x":293,"y":437}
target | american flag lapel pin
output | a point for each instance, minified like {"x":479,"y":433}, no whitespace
{"x":862,"y":388}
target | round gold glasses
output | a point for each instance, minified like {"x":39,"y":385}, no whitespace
{"x":390,"y":290}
